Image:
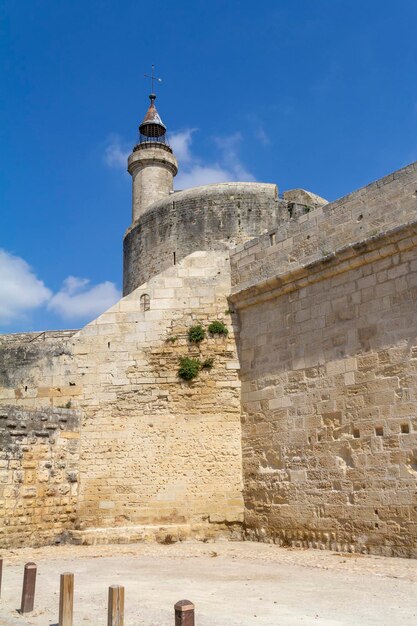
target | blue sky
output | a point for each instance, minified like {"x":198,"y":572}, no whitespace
{"x":319,"y":94}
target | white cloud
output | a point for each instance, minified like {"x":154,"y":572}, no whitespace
{"x":21,"y":292}
{"x":20,"y":289}
{"x":77,"y":299}
{"x":116,"y":153}
{"x":193,"y":171}
{"x":201,"y":175}
{"x":181,"y":144}
{"x":229,"y":148}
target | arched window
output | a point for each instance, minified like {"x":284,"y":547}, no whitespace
{"x":145,"y":302}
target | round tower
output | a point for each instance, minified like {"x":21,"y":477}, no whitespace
{"x":152,"y":163}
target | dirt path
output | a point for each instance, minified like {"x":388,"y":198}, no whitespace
{"x":230,"y":583}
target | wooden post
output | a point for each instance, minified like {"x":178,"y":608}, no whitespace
{"x":1,"y":573}
{"x":116,"y":609}
{"x":66,"y":599}
{"x":28,"y":589}
{"x":184,"y":613}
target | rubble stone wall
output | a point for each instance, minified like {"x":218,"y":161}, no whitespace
{"x":155,"y":451}
{"x":39,"y":470}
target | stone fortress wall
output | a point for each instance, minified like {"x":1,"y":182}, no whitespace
{"x":212,"y":217}
{"x":39,"y":438}
{"x":158,"y":457}
{"x":156,"y":450}
{"x":39,"y":468}
{"x":323,"y":336}
{"x":328,"y":353}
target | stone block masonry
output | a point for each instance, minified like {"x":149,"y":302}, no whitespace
{"x":329,"y":378}
{"x":155,"y":449}
{"x":39,"y":471}
{"x":159,"y":457}
{"x":294,"y":244}
{"x":36,"y":369}
{"x":315,"y":384}
{"x":212,"y":217}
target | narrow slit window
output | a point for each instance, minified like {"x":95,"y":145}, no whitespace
{"x":145,"y":302}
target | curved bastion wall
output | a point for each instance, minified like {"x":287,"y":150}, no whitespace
{"x":211,"y":217}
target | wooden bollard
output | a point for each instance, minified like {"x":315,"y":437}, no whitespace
{"x":66,"y":599}
{"x":1,"y":573}
{"x":116,"y":609}
{"x":28,"y":589}
{"x":184,"y":613}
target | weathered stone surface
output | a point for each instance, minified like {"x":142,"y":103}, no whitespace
{"x":213,"y":217}
{"x":329,"y":379}
{"x":39,"y":469}
{"x":303,"y":197}
{"x":154,"y":450}
{"x":320,"y":314}
{"x":356,"y":218}
{"x":152,"y":167}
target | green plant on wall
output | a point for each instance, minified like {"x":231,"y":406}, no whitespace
{"x":189,"y":368}
{"x":207,"y":364}
{"x":196,"y":334}
{"x":218,"y":328}
{"x":67,"y":405}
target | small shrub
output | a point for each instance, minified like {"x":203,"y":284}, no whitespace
{"x":218,"y":328}
{"x":207,"y":364}
{"x":196,"y":334}
{"x":171,"y":339}
{"x":189,"y":368}
{"x":67,"y":405}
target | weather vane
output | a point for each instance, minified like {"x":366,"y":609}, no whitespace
{"x":153,"y":77}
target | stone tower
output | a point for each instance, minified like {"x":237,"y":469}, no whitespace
{"x":152,"y":163}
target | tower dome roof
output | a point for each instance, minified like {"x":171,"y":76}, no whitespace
{"x":152,"y":128}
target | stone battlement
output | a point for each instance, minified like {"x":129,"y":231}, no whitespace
{"x":297,"y":243}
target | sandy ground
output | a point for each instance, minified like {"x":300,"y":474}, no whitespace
{"x":230,"y":583}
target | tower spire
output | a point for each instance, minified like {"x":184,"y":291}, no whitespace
{"x":152,"y":129}
{"x":152,"y":163}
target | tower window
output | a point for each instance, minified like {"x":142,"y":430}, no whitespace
{"x":175,"y":258}
{"x":145,"y":302}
